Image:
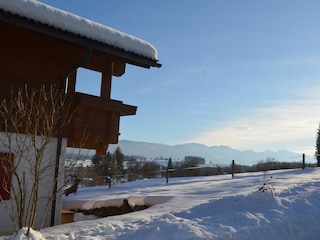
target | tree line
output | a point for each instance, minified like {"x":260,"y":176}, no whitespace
{"x":119,"y":168}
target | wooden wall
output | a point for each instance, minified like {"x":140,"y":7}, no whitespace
{"x":36,"y":59}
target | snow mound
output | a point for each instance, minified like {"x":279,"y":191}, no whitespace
{"x":214,"y":207}
{"x":33,"y":235}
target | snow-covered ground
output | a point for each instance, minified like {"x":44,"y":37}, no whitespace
{"x":215,"y":207}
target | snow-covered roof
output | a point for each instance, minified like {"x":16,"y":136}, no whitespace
{"x":45,"y":14}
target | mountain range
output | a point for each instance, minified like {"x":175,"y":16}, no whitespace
{"x":215,"y":154}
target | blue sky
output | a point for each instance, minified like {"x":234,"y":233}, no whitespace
{"x":245,"y":74}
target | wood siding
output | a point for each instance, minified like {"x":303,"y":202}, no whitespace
{"x":35,"y":59}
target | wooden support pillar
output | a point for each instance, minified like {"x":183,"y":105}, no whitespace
{"x":101,"y":149}
{"x":105,"y":91}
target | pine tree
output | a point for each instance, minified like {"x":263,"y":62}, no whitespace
{"x":118,"y":157}
{"x":109,"y":164}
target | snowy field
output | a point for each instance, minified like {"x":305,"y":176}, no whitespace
{"x":215,"y":207}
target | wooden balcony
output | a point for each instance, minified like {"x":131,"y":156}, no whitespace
{"x":96,"y":122}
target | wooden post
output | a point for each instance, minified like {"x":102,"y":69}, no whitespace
{"x":303,"y":161}
{"x":101,"y":149}
{"x":105,"y":90}
{"x":109,"y":182}
{"x":167,"y":175}
{"x":232,"y":168}
{"x":169,"y":166}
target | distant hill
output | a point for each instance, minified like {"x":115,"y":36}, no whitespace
{"x":215,"y":154}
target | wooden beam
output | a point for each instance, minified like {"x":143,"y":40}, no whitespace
{"x":101,"y":149}
{"x":105,"y":91}
{"x":119,"y":68}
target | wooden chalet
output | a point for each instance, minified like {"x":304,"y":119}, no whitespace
{"x":42,"y":45}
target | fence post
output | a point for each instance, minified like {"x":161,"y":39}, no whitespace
{"x":303,"y":161}
{"x":232,"y":168}
{"x":167,"y":175}
{"x":169,"y":166}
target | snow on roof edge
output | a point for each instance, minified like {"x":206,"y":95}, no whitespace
{"x":58,"y":18}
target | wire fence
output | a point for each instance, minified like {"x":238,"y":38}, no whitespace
{"x":206,"y":170}
{"x":89,"y":177}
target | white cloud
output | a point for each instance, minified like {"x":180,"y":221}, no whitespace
{"x":290,"y":125}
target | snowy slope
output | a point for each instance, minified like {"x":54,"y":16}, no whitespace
{"x":216,"y":207}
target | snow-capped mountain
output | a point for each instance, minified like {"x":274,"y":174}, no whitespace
{"x":213,"y":154}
